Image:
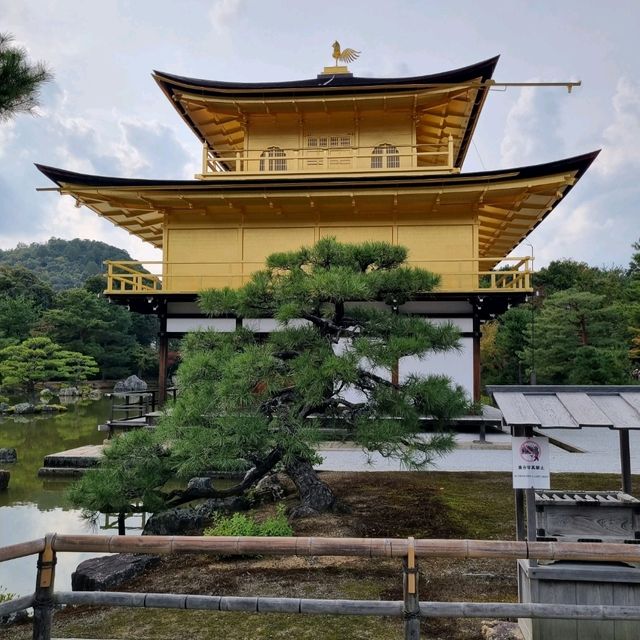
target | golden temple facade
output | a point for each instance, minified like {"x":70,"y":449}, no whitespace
{"x":285,"y":164}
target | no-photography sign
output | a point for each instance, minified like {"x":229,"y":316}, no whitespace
{"x":530,"y":462}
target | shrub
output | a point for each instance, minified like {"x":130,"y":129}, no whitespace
{"x":5,"y":596}
{"x":240,"y":524}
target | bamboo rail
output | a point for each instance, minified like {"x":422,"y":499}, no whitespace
{"x":312,"y":606}
{"x":44,"y":599}
{"x":367,"y":547}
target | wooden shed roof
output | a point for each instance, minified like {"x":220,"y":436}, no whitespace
{"x":569,"y":407}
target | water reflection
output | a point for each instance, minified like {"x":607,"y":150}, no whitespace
{"x":32,"y":506}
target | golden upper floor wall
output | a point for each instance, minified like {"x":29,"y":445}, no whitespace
{"x":201,"y":253}
{"x":333,"y":122}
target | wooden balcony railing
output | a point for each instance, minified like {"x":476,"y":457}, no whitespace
{"x":467,"y":275}
{"x":344,"y":159}
{"x":45,"y":598}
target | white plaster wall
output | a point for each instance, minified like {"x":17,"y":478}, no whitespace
{"x":458,"y":365}
{"x":267,"y":325}
{"x":180,"y":325}
{"x":465,"y":325}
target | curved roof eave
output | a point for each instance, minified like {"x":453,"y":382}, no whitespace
{"x":578,"y":164}
{"x":346,"y":82}
{"x":171,"y":84}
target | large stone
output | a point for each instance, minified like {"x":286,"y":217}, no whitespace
{"x":107,"y":572}
{"x":269,"y":489}
{"x":23,"y":407}
{"x":132,"y":383}
{"x":8,"y":455}
{"x":183,"y":520}
{"x":4,"y":407}
{"x":69,"y":392}
{"x":4,"y":479}
{"x":95,"y":394}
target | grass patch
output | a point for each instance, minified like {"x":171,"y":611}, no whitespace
{"x":426,"y":505}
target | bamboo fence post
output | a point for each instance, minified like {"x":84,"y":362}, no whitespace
{"x":411,"y":610}
{"x":43,"y":597}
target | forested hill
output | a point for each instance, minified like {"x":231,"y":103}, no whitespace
{"x":66,"y":264}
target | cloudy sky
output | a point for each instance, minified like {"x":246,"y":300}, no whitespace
{"x":104,"y":114}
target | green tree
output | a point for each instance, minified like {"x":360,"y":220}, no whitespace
{"x":20,"y":80}
{"x":561,"y":275}
{"x":86,"y":322}
{"x":66,"y":264}
{"x":19,"y":282}
{"x":256,"y":402}
{"x":502,"y":347}
{"x":38,"y":360}
{"x":580,"y":339}
{"x":634,"y":264}
{"x":17,"y":318}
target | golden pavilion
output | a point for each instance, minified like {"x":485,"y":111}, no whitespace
{"x":287,"y":163}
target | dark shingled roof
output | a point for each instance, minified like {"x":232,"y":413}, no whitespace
{"x":333,"y":84}
{"x":579,"y":164}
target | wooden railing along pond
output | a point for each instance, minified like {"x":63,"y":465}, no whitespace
{"x":45,"y":598}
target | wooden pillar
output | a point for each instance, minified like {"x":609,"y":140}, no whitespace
{"x":43,"y":596}
{"x":476,"y":355}
{"x":625,"y":460}
{"x":411,"y":610}
{"x":163,"y":357}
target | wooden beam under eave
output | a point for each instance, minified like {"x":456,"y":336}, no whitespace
{"x":142,"y":224}
{"x":496,"y":224}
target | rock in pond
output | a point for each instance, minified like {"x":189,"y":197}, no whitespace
{"x":4,"y":407}
{"x":69,"y":392}
{"x":4,"y":479}
{"x":106,"y":572}
{"x":8,"y":454}
{"x":23,"y":407}
{"x":132,"y":383}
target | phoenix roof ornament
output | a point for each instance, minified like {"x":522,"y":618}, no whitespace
{"x":344,"y":56}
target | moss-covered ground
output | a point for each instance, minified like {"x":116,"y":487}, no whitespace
{"x":430,"y":504}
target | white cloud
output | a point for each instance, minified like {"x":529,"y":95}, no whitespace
{"x":532,"y":129}
{"x":579,"y":233}
{"x":7,"y":134}
{"x":222,"y":13}
{"x":621,"y":138}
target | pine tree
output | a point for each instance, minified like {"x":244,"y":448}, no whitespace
{"x":580,"y":339}
{"x":251,"y":401}
{"x":40,"y":359}
{"x":20,"y":80}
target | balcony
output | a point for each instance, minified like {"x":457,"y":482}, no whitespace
{"x":481,"y":275}
{"x":332,"y":157}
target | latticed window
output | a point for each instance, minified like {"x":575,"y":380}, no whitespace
{"x":385,"y":156}
{"x":328,"y":142}
{"x":273,"y":159}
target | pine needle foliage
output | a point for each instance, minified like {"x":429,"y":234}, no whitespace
{"x":251,"y":401}
{"x":20,"y":80}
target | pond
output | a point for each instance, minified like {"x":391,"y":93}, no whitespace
{"x":31,"y":506}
